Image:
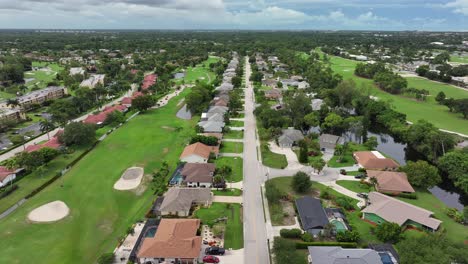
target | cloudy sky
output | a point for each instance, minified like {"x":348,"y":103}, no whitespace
{"x":236,"y":14}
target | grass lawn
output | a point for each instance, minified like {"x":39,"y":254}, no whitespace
{"x":201,"y":72}
{"x":231,"y":147}
{"x":348,"y":159}
{"x":355,"y":186}
{"x":5,"y":95}
{"x":99,"y":214}
{"x":352,"y":173}
{"x":235,"y":163}
{"x":228,"y":192}
{"x":236,"y":123}
{"x":32,"y":181}
{"x":455,"y":231}
{"x":461,"y":59}
{"x":234,"y":234}
{"x":42,"y":78}
{"x":273,"y":160}
{"x":235,"y":134}
{"x":414,"y":110}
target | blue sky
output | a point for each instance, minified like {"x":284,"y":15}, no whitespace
{"x":240,"y":14}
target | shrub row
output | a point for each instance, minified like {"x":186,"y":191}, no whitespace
{"x":304,"y":245}
{"x":291,"y":233}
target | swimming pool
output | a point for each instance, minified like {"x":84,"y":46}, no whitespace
{"x":151,"y":232}
{"x":340,"y":226}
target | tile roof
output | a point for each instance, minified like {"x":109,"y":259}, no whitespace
{"x":198,"y":172}
{"x":181,"y":199}
{"x":396,"y":211}
{"x":175,"y":238}
{"x":5,"y":172}
{"x":374,"y":160}
{"x":149,"y":80}
{"x":101,"y":117}
{"x":391,"y":181}
{"x":53,"y":143}
{"x":199,"y":149}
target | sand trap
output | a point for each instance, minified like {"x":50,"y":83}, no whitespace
{"x":50,"y":212}
{"x":130,"y":179}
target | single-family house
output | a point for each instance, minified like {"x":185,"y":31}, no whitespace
{"x":328,"y":142}
{"x":198,"y":174}
{"x":99,"y":119}
{"x":218,"y":109}
{"x":289,"y":137}
{"x":339,"y":255}
{"x":220,"y":102}
{"x":148,"y":81}
{"x":213,"y":117}
{"x":303,"y":85}
{"x":316,"y":104}
{"x":312,"y":215}
{"x":77,"y":71}
{"x":391,"y":182}
{"x":212,"y":126}
{"x":225,"y":87}
{"x":382,"y":208}
{"x":8,"y":175}
{"x":198,"y":153}
{"x":270,"y":83}
{"x":273,"y":94}
{"x":179,"y":201}
{"x":374,"y":160}
{"x":175,"y":241}
{"x":127,"y":101}
{"x":53,"y":143}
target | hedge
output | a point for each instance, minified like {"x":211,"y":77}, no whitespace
{"x":291,"y":233}
{"x":304,"y":245}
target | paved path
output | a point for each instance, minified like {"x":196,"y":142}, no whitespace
{"x":232,"y":140}
{"x":237,"y":128}
{"x":233,"y":257}
{"x":239,"y":155}
{"x":345,"y":191}
{"x":122,"y":253}
{"x":291,"y":157}
{"x":255,"y":234}
{"x":236,"y":119}
{"x":227,"y":199}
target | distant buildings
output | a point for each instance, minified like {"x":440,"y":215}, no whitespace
{"x":15,"y":114}
{"x":93,"y":80}
{"x":77,"y":71}
{"x":40,"y":96}
{"x":98,"y":119}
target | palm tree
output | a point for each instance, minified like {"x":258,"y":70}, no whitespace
{"x":46,"y":126}
{"x":373,"y":181}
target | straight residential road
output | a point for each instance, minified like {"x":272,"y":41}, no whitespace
{"x":255,"y":234}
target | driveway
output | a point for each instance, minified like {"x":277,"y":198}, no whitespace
{"x":291,"y":157}
{"x":346,"y":192}
{"x":227,"y":199}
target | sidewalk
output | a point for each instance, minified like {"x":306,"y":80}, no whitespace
{"x":227,"y":199}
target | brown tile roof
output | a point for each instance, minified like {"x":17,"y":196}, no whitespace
{"x":199,"y":149}
{"x":389,"y":181}
{"x":198,"y":172}
{"x":182,"y":199}
{"x":175,"y":238}
{"x":5,"y":172}
{"x":396,"y":211}
{"x":371,"y":160}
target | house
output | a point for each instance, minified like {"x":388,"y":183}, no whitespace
{"x":218,"y":109}
{"x":313,"y":216}
{"x":127,"y":101}
{"x":225,"y":87}
{"x":391,"y":182}
{"x":289,"y":137}
{"x":8,"y":175}
{"x":179,"y":201}
{"x":15,"y":114}
{"x":93,"y":80}
{"x":179,"y":75}
{"x":212,"y":126}
{"x":328,"y":142}
{"x":273,"y":94}
{"x":53,"y":143}
{"x":98,"y":119}
{"x":76,"y":71}
{"x":303,"y":85}
{"x":374,"y":160}
{"x":213,"y":117}
{"x":382,"y":208}
{"x":41,"y":96}
{"x":289,"y":82}
{"x":148,"y":81}
{"x":316,"y":104}
{"x":198,"y":153}
{"x":198,"y":174}
{"x":175,"y":241}
{"x":270,"y":83}
{"x":220,"y":102}
{"x":335,"y":255}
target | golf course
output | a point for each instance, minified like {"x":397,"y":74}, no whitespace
{"x":99,"y":214}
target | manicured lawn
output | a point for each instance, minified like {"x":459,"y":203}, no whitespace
{"x":236,"y":123}
{"x":201,"y":72}
{"x":99,"y":214}
{"x":415,"y":110}
{"x":461,"y":59}
{"x":231,"y":147}
{"x":352,"y":173}
{"x":355,"y":186}
{"x":455,"y":231}
{"x":228,"y":192}
{"x":32,"y":181}
{"x":348,"y":159}
{"x":235,"y":163}
{"x":235,"y":134}
{"x":273,"y":160}
{"x":42,"y":78}
{"x":234,"y":234}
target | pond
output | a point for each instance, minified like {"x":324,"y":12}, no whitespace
{"x":445,"y":192}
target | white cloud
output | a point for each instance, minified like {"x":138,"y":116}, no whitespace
{"x":459,"y":6}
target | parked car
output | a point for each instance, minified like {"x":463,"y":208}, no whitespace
{"x":220,"y":185}
{"x":362,"y":195}
{"x":214,"y":251}
{"x":360,"y":176}
{"x":343,"y":171}
{"x":210,"y":259}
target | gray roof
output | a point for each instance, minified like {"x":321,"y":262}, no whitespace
{"x":218,"y":109}
{"x":225,"y":87}
{"x":311,"y":212}
{"x":214,"y":117}
{"x":290,"y":136}
{"x":338,"y":255}
{"x":212,"y":126}
{"x":181,"y":199}
{"x":329,"y":141}
{"x":316,"y":104}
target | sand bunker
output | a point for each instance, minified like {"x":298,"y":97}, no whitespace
{"x":130,"y":179}
{"x":50,"y":212}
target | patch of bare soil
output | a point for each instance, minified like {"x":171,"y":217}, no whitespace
{"x":288,"y":212}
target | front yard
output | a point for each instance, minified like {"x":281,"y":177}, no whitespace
{"x":233,"y":231}
{"x":355,"y":186}
{"x":347,"y":159}
{"x":273,"y":160}
{"x":237,"y":165}
{"x":234,"y":134}
{"x":236,"y":123}
{"x":227,"y":192}
{"x":231,"y":147}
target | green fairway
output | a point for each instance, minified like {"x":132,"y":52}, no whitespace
{"x":415,"y":110}
{"x":42,"y":77}
{"x":234,"y":134}
{"x":235,"y":163}
{"x":99,"y":214}
{"x":460,"y":59}
{"x":231,"y":147}
{"x":233,"y":237}
{"x":201,"y":72}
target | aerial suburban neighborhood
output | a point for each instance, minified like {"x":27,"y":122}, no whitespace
{"x":288,"y":146}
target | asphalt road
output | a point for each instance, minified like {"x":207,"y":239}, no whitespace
{"x":255,"y":235}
